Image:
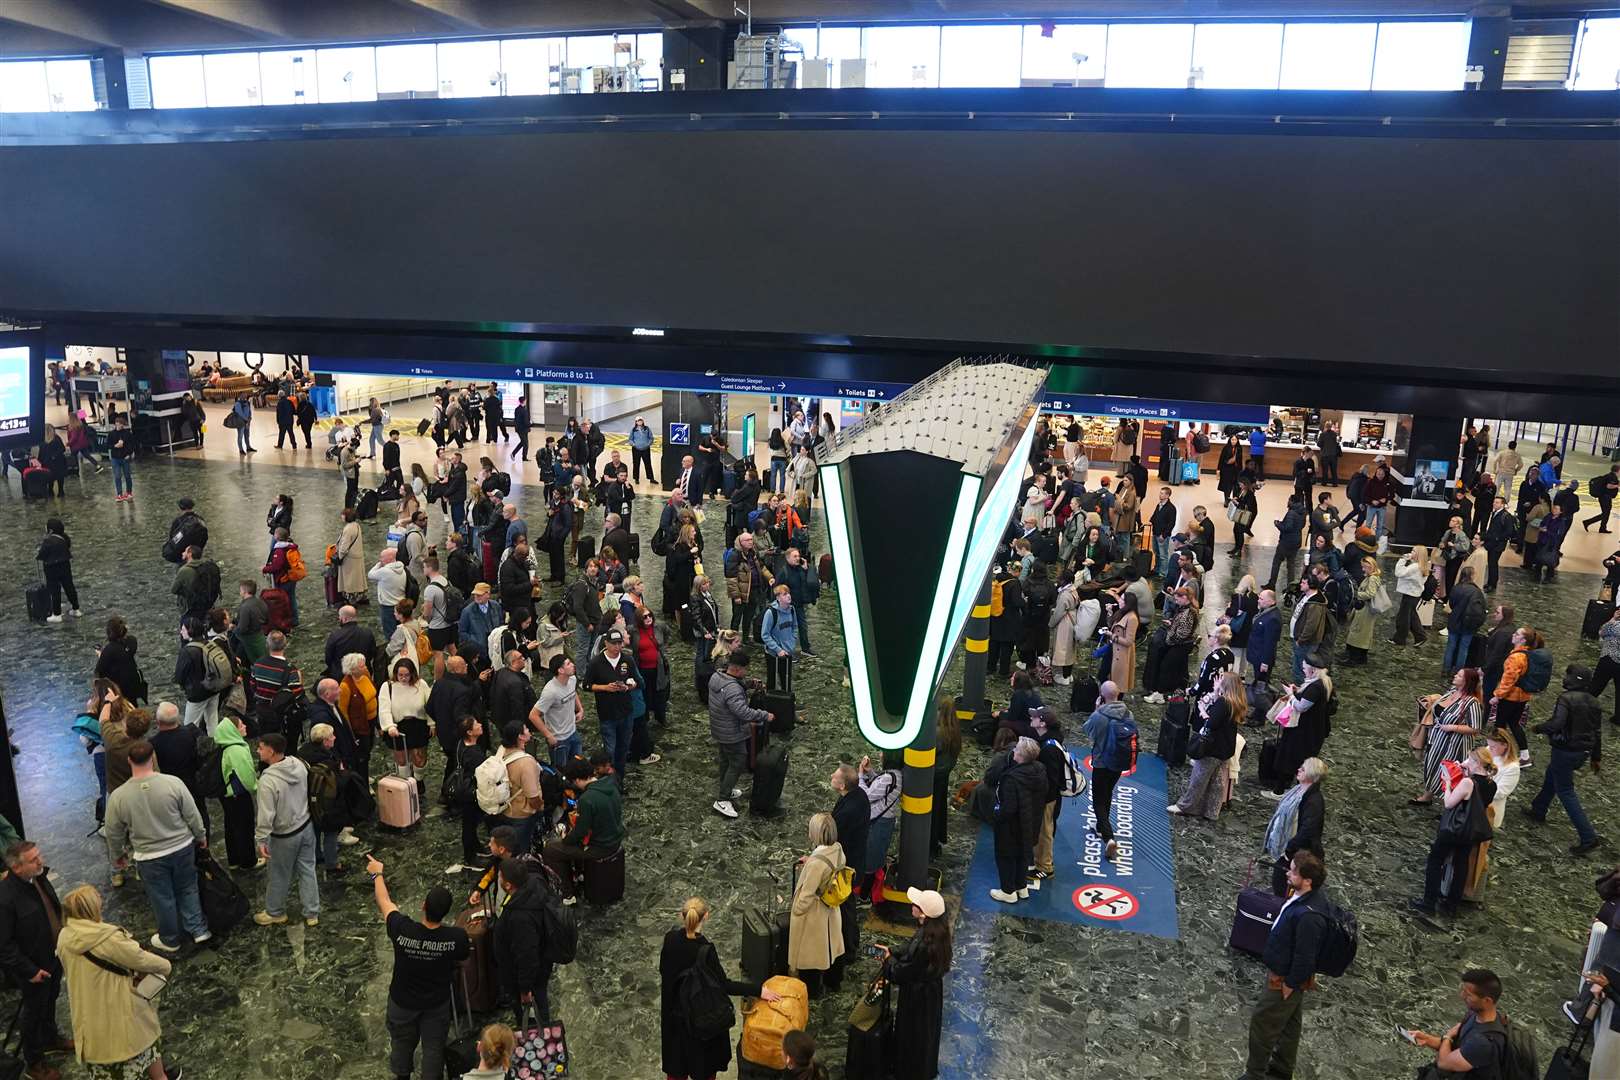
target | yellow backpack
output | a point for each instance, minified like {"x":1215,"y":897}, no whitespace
{"x":998,"y":607}
{"x":838,"y":886}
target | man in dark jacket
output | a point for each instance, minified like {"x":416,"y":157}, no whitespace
{"x":1113,"y":735}
{"x":520,"y":941}
{"x":1574,"y":731}
{"x":1467,"y":604}
{"x":1287,"y":540}
{"x":584,"y":599}
{"x":306,"y":419}
{"x":349,"y":637}
{"x":185,"y":531}
{"x":454,"y":696}
{"x":1163,"y":520}
{"x":1020,"y":804}
{"x":196,"y":583}
{"x":1325,"y":518}
{"x":285,"y":414}
{"x":1055,"y":762}
{"x":1290,"y":957}
{"x":614,"y":534}
{"x":494,"y":417}
{"x":1007,"y":627}
{"x":1498,"y":534}
{"x":511,"y":694}
{"x":1264,"y":636}
{"x":30,"y":920}
{"x":805,"y":587}
{"x":455,"y":491}
{"x":514,"y":580}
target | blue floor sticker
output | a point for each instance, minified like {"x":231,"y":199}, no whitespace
{"x":1135,"y":893}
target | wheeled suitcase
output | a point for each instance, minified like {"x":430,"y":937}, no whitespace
{"x":1598,"y":612}
{"x":333,"y":599}
{"x":491,"y":561}
{"x":422,"y":427}
{"x":36,"y":483}
{"x":478,"y":979}
{"x":635,"y":547}
{"x":764,"y":944}
{"x":1143,"y":561}
{"x":1268,"y":762}
{"x":1257,"y":910}
{"x":280,"y":608}
{"x":365,"y":507}
{"x":38,"y":598}
{"x":1173,"y":732}
{"x":399,"y":800}
{"x":604,"y":879}
{"x":868,"y":1052}
{"x":770,"y":773}
{"x":224,"y":904}
{"x":824,"y":569}
{"x":586,"y":551}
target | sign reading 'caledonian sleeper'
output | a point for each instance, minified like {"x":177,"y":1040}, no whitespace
{"x":919,"y":492}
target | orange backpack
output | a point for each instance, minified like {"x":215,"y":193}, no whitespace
{"x":295,"y":565}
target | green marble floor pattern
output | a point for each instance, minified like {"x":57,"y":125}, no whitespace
{"x":1029,"y":999}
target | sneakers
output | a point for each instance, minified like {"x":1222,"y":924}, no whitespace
{"x":1062,"y":680}
{"x":118,"y":879}
{"x":1173,"y":808}
{"x":157,"y":943}
{"x":1003,"y":897}
{"x":312,"y":920}
{"x":1586,"y":845}
{"x":1574,"y":1017}
{"x":736,"y":793}
{"x":1422,"y":907}
{"x":1023,"y":894}
{"x":77,"y":614}
{"x":53,"y":618}
{"x":204,"y":938}
{"x":262,"y":863}
{"x":650,"y":759}
{"x":724,"y":808}
{"x":1110,"y":850}
{"x":347,"y":837}
{"x":570,"y":901}
{"x":264,"y":918}
{"x":1154,"y":698}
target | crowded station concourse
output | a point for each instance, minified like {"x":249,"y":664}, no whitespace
{"x":400,"y":698}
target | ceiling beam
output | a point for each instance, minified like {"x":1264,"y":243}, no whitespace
{"x":67,"y":18}
{"x":456,"y":14}
{"x":684,"y":12}
{"x":256,"y":17}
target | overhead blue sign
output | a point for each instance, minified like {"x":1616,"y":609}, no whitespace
{"x":1210,"y":412}
{"x":705,"y":382}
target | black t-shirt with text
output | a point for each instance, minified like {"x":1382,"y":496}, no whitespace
{"x":611,"y":706}
{"x":425,"y":961}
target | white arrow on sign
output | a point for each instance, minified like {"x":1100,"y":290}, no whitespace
{"x":781,"y":386}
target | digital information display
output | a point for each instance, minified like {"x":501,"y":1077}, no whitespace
{"x":16,"y":389}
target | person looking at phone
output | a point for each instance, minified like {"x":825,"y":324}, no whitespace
{"x":919,"y":970}
{"x":1475,"y":1046}
{"x":611,"y":677}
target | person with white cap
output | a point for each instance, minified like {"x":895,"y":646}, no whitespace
{"x":919,"y":971}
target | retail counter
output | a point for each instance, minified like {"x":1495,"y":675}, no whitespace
{"x":1280,"y":458}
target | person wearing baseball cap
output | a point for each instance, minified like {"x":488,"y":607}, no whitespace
{"x":479,"y":616}
{"x":919,"y":969}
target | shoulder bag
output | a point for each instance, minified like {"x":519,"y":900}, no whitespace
{"x":146,"y":985}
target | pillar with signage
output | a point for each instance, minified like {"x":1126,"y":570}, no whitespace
{"x":899,"y":637}
{"x":686,"y":417}
{"x":1429,"y":469}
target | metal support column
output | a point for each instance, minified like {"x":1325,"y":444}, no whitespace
{"x":976,"y":643}
{"x":916,"y":817}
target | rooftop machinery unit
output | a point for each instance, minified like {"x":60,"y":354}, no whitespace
{"x":763,"y":62}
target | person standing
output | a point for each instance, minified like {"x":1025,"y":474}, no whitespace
{"x":732,"y":724}
{"x":306,"y":420}
{"x":286,"y":412}
{"x":120,"y":449}
{"x":1113,"y":735}
{"x":241,"y":789}
{"x":494,"y":416}
{"x":1466,"y":604}
{"x":115,"y":1032}
{"x":1329,"y":448}
{"x":919,"y":970}
{"x":176,"y":747}
{"x":427,"y":960}
{"x":641,"y":440}
{"x":1468,"y":793}
{"x":1296,"y":824}
{"x":1290,"y":956}
{"x":377,"y":417}
{"x":286,"y":567}
{"x":243,"y":411}
{"x":1497,"y":534}
{"x":349,"y":466}
{"x":55,"y":556}
{"x":520,"y":942}
{"x":284,"y":834}
{"x":30,"y":924}
{"x":1019,"y":806}
{"x":1221,"y":712}
{"x":815,"y":928}
{"x":1574,"y":731}
{"x":779,"y":633}
{"x":389,"y":575}
{"x":685,"y":1056}
{"x":611,"y":676}
{"x":1510,"y":699}
{"x":1506,"y":465}
{"x":157,"y":817}
{"x":1476,"y":1045}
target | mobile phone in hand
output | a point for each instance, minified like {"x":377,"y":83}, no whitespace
{"x":870,"y":949}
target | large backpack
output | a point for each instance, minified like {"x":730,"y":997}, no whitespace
{"x":494,"y":788}
{"x":660,"y":546}
{"x":1519,"y":1058}
{"x":219,"y":670}
{"x":1340,"y":595}
{"x":702,"y":1000}
{"x":1073,"y":779}
{"x":1594,"y":486}
{"x":998,"y":603}
{"x":1339,"y":942}
{"x":1537,"y":671}
{"x":562,"y":929}
{"x":324,"y":808}
{"x":210,"y":768}
{"x":454,"y":601}
{"x":296,"y":571}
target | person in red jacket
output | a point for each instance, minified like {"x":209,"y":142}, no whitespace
{"x":286,"y":568}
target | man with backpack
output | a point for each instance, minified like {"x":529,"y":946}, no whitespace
{"x":508,"y":785}
{"x":1478,"y":1047}
{"x":523,"y":946}
{"x":278,"y":691}
{"x":196,"y":583}
{"x":204,"y":670}
{"x":1291,"y":954}
{"x":185,"y":531}
{"x":1574,"y":731}
{"x":1467,"y":604}
{"x":1113,"y":735}
{"x":1603,"y":487}
{"x":1060,"y":781}
{"x":1312,"y":622}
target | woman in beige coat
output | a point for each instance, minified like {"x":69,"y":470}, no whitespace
{"x":115,"y":1031}
{"x":351,"y":558}
{"x":815,"y":930}
{"x":1127,"y":513}
{"x":1123,"y":635}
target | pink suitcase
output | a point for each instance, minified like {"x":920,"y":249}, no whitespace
{"x":397,"y":803}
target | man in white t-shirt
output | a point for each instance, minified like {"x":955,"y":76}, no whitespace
{"x":559,"y":711}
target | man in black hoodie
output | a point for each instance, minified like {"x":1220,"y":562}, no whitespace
{"x":520,"y":941}
{"x":1007,"y":626}
{"x":1287,"y":541}
{"x":1574,"y":731}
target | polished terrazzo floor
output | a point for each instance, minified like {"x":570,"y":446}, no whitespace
{"x":1026,"y":998}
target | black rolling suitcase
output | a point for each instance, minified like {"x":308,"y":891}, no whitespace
{"x":365,"y":508}
{"x":868,"y":1052}
{"x":635,"y":547}
{"x":770,"y":773}
{"x":38,"y":598}
{"x":764,"y":944}
{"x":1598,"y":612}
{"x":783,"y":708}
{"x":1173,"y":732}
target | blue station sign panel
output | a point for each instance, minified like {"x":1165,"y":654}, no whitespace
{"x":1209,"y":412}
